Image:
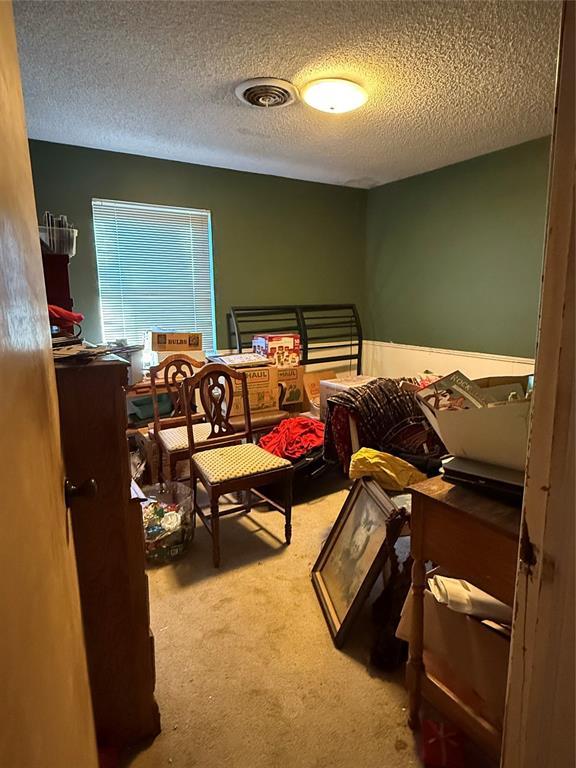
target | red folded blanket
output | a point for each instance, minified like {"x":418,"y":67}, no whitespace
{"x":293,"y":438}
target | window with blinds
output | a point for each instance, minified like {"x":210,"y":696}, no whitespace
{"x":154,"y":270}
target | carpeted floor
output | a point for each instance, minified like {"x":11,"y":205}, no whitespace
{"x":247,"y":675}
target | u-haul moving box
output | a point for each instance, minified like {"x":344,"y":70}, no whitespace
{"x":292,"y":379}
{"x":312,"y":381}
{"x":263,"y":392}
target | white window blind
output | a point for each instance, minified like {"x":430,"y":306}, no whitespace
{"x":154,"y":270}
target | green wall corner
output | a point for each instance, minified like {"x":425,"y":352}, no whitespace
{"x":449,"y":259}
{"x":454,"y":256}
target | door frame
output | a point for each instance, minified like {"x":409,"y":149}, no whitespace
{"x":539,"y":719}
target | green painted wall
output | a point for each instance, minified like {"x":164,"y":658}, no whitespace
{"x":454,"y":256}
{"x":275,"y":240}
{"x":449,"y":259}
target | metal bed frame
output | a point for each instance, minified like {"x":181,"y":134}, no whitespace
{"x":329,"y":333}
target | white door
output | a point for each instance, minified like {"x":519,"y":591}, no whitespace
{"x":45,"y":710}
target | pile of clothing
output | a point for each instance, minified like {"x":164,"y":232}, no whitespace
{"x":387,"y":418}
{"x":294,"y":438}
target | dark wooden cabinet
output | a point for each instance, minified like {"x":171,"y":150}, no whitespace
{"x":56,"y":279}
{"x":108,"y":540}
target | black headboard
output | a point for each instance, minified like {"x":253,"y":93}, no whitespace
{"x":329,"y":333}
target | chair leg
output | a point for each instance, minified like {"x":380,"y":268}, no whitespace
{"x":160,"y":473}
{"x":170,"y":468}
{"x":194,"y":489}
{"x":193,"y":495}
{"x":288,"y":510}
{"x":215,"y":527}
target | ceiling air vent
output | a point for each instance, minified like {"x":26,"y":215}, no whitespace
{"x":266,"y":92}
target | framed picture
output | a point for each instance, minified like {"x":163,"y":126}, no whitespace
{"x":353,"y":555}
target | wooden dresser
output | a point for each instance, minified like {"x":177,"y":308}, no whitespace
{"x":108,"y":539}
{"x":476,"y":537}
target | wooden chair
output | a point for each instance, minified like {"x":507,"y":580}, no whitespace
{"x":234,"y":463}
{"x":170,"y":432}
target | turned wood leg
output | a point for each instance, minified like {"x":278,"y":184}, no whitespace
{"x":415,"y":667}
{"x":170,"y":468}
{"x":193,"y":488}
{"x":193,"y":494}
{"x":288,"y":509}
{"x":160,"y":471}
{"x":215,"y":527}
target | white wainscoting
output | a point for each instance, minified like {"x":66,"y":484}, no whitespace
{"x":382,"y":358}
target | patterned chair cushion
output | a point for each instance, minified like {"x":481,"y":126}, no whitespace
{"x":176,"y":439}
{"x":236,"y":461}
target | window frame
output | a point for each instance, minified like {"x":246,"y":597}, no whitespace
{"x":155,"y":206}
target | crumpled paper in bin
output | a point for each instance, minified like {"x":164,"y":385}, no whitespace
{"x":392,"y":473}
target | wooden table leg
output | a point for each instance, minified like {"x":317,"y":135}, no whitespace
{"x":415,"y":667}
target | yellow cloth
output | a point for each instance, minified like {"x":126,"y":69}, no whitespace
{"x":392,"y":473}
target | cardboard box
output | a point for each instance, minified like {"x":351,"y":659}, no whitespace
{"x":331,"y":387}
{"x":293,"y":380}
{"x":282,"y":348}
{"x":312,"y":381}
{"x":263,"y":390}
{"x":496,"y":434}
{"x":159,"y":340}
{"x":469,"y":656}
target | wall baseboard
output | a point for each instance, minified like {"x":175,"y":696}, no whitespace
{"x":383,"y":358}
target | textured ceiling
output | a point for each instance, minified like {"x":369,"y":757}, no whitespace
{"x":446,"y":81}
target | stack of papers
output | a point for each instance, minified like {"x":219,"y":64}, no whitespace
{"x":82,"y":350}
{"x":240,"y":361}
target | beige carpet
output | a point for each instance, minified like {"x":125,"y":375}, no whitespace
{"x":247,"y":675}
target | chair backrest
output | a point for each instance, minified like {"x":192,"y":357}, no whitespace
{"x":169,"y":375}
{"x":215,"y":387}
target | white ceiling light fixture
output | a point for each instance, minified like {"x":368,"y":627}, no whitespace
{"x":334,"y":95}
